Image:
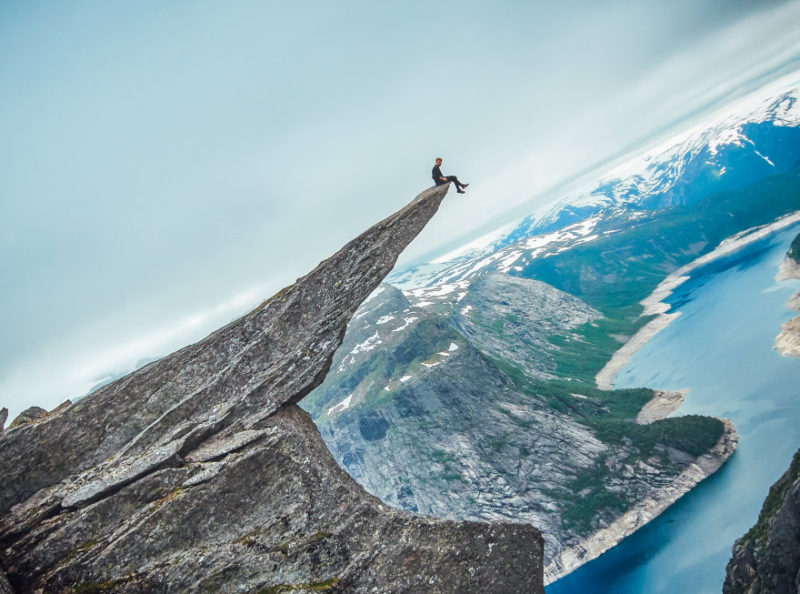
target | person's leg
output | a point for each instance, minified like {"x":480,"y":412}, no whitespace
{"x":459,"y":186}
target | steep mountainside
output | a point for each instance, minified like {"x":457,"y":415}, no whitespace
{"x":199,"y":473}
{"x":754,"y":140}
{"x":480,"y":380}
{"x":450,"y":404}
{"x":767,"y":558}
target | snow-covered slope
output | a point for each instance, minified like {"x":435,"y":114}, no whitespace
{"x":749,"y":140}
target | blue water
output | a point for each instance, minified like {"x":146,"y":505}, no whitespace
{"x":721,"y":349}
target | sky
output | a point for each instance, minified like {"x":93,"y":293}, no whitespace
{"x":165,"y":166}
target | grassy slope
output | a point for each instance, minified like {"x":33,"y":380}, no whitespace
{"x":635,"y":261}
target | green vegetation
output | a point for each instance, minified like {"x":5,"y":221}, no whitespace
{"x":612,"y":274}
{"x":611,"y":414}
{"x":692,"y":434}
{"x":323,"y":586}
{"x":774,"y":501}
{"x":620,"y":270}
{"x":590,"y":495}
{"x":294,"y":543}
{"x":441,"y":456}
{"x":98,"y":587}
{"x":794,"y":249}
{"x":175,"y":493}
{"x":582,"y":357}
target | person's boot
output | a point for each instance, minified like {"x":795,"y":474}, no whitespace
{"x":460,"y":191}
{"x":464,"y":186}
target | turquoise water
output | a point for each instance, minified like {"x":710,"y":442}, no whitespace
{"x":721,"y":349}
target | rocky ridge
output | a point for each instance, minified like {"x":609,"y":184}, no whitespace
{"x":767,"y":558}
{"x":199,"y":472}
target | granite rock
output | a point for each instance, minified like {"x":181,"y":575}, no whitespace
{"x":198,"y":472}
{"x":29,"y":415}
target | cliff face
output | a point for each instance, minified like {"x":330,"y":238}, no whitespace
{"x":767,"y":558}
{"x":443,"y":401}
{"x":198,"y":472}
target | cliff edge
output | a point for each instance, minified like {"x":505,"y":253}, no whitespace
{"x":198,"y":472}
{"x":767,"y":558}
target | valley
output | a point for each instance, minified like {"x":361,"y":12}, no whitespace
{"x":468,"y":389}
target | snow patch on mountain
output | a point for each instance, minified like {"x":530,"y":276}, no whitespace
{"x":406,"y":323}
{"x":751,"y":130}
{"x":341,"y":406}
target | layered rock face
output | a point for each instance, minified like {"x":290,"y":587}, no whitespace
{"x":767,"y":558}
{"x":199,"y":473}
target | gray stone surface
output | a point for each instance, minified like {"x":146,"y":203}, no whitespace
{"x":199,"y":473}
{"x":5,"y":587}
{"x":3,"y":417}
{"x":29,"y":415}
{"x":767,"y":558}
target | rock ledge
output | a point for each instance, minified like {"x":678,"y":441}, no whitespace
{"x":198,"y":472}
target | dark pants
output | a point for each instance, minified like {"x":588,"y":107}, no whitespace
{"x":450,"y":178}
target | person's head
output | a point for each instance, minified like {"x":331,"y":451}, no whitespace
{"x":438,"y":160}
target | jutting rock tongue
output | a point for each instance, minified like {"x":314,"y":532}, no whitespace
{"x":199,"y":472}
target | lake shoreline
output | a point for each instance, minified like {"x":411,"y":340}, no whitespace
{"x":662,"y":404}
{"x":654,"y":303}
{"x":646,"y":510}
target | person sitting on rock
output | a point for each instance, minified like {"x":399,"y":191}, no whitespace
{"x":440,"y":179}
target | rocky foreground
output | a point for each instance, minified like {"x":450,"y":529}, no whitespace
{"x":199,"y":473}
{"x":767,"y":558}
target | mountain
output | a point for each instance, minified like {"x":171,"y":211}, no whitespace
{"x":767,"y":558}
{"x":753,"y":140}
{"x":198,"y":472}
{"x":474,"y":376}
{"x":461,"y":408}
